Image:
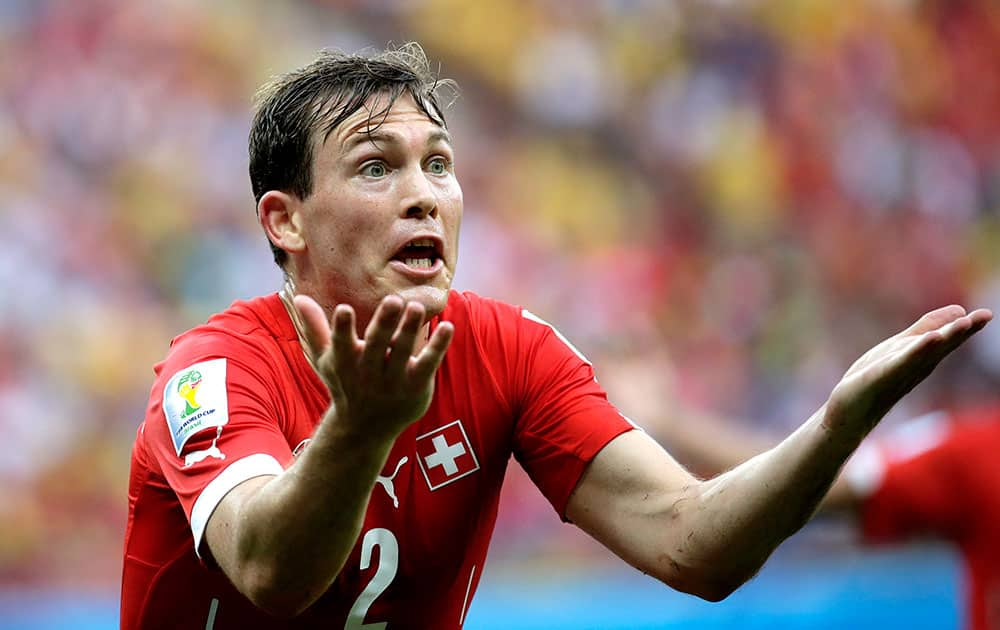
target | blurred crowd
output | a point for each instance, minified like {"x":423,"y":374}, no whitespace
{"x":725,"y":201}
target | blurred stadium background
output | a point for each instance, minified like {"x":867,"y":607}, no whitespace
{"x":725,"y":200}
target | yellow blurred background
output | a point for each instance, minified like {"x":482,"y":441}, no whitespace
{"x":726,"y":201}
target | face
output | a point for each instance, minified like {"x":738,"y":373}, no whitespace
{"x":384,"y":214}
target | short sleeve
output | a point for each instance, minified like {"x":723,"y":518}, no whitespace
{"x":212,"y":423}
{"x":563,"y":415}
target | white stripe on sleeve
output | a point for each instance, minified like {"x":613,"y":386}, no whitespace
{"x":233,"y":475}
{"x":525,"y":313}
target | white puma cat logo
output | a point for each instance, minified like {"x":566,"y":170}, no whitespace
{"x":194,"y":457}
{"x":387,"y":482}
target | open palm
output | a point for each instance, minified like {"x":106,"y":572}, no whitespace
{"x":884,"y":374}
{"x":380,"y":382}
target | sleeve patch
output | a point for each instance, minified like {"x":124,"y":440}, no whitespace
{"x":195,"y":399}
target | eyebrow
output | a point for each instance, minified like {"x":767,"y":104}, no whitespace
{"x":377,"y":136}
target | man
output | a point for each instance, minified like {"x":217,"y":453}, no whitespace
{"x":332,"y":455}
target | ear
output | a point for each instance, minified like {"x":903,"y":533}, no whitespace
{"x":279,"y":214}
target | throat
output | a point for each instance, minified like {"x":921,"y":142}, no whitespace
{"x":286,"y":295}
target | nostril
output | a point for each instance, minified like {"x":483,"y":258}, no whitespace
{"x":422,"y":211}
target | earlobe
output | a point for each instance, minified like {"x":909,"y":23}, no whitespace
{"x":279,"y":215}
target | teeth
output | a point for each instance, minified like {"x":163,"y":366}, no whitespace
{"x":422,"y":242}
{"x":418,"y":263}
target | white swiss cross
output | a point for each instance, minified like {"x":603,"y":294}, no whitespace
{"x":446,"y":455}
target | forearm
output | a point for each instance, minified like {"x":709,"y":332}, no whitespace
{"x":738,"y":518}
{"x":295,"y":533}
{"x":708,"y":537}
{"x":283,"y":540}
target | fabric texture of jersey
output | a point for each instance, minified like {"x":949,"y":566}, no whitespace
{"x":236,"y":398}
{"x":950,"y":489}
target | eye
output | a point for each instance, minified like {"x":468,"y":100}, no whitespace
{"x":438,"y":166}
{"x":374,"y":169}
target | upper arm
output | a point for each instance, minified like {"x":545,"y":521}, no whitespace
{"x":221,"y":531}
{"x":212,"y":425}
{"x":614,"y":482}
{"x":623,"y":496}
{"x":563,"y":415}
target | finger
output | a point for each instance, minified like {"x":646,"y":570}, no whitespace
{"x":429,"y":359}
{"x":346,"y":344}
{"x":925,"y":349}
{"x":906,"y":369}
{"x":971,"y":323}
{"x":961,"y":330}
{"x":405,"y":338}
{"x":957,"y":328}
{"x":935,"y":319}
{"x":980,"y":317}
{"x":929,"y":349}
{"x":380,"y":329}
{"x":316,"y":328}
{"x":916,"y":356}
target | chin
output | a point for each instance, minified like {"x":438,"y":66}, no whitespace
{"x":433,"y":298}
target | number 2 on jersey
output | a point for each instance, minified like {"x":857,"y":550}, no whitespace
{"x":388,"y":563}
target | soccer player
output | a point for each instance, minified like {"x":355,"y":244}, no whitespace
{"x":331,"y":455}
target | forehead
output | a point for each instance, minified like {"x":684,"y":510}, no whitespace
{"x":404,"y":117}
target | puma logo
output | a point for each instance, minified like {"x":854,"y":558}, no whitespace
{"x":387,"y":482}
{"x":194,"y":457}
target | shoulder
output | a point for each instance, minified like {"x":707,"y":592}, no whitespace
{"x":474,"y":309}
{"x":480,"y":314}
{"x":499,"y":327}
{"x":234,"y":357}
{"x":240,"y":347}
{"x":482,"y":323}
{"x":245,"y":331}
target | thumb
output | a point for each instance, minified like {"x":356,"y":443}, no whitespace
{"x":316,"y":327}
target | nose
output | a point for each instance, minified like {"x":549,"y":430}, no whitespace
{"x":419,"y":200}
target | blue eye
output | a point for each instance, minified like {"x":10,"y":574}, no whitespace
{"x":374,"y":169}
{"x":437,"y":166}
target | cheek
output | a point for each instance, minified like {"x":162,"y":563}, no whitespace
{"x":451,"y":203}
{"x":351,"y":227}
{"x":356,"y":240}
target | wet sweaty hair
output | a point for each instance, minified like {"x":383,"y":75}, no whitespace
{"x":310,"y":102}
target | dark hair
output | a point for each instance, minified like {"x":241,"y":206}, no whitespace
{"x":292,"y":109}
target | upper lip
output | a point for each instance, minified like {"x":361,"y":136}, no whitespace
{"x":435,"y":239}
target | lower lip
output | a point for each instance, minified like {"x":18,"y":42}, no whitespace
{"x":418,"y":273}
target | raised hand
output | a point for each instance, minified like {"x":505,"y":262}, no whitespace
{"x":376,"y":383}
{"x":887,"y":372}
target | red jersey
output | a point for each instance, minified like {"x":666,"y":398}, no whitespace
{"x":236,"y":398}
{"x":946,"y":481}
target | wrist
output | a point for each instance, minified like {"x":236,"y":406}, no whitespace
{"x":838,"y":431}
{"x":358,"y":432}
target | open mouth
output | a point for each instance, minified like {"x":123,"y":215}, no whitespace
{"x":420,"y":253}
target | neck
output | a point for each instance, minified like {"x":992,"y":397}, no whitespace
{"x":287,"y":294}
